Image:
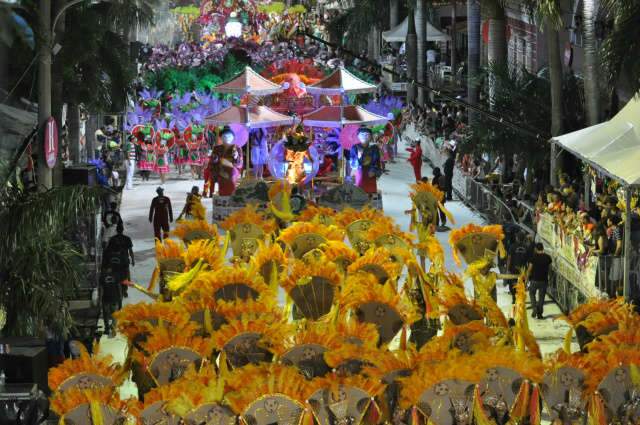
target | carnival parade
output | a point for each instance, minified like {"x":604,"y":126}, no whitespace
{"x":316,"y":213}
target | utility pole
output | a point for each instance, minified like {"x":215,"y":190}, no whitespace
{"x":45,"y":175}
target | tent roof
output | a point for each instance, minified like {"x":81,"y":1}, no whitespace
{"x":341,"y":81}
{"x":339,"y":116}
{"x":399,"y":33}
{"x":256,"y":117}
{"x":613,"y":147}
{"x":249,"y":82}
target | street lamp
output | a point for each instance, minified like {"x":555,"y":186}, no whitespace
{"x":233,"y":28}
{"x":46,"y":50}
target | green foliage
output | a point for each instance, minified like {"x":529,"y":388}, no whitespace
{"x":186,"y":10}
{"x":619,"y":51}
{"x":39,"y":267}
{"x":520,"y":97}
{"x":203,"y":78}
{"x":357,"y":21}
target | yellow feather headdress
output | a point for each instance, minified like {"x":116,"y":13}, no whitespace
{"x":362,"y":288}
{"x":86,"y":363}
{"x":493,"y":231}
{"x":206,"y":250}
{"x":272,"y":328}
{"x":193,"y":389}
{"x":249,"y":214}
{"x":200,"y":227}
{"x":209,"y":283}
{"x":162,"y":338}
{"x":136,"y":319}
{"x":313,"y":211}
{"x":377,"y":258}
{"x":301,"y":273}
{"x":249,"y":383}
{"x":289,"y":234}
{"x":349,"y":215}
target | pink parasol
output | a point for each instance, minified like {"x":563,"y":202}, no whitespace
{"x":341,"y":82}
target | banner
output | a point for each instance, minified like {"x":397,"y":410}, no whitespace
{"x":570,"y":258}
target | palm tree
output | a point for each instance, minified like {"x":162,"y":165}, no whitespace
{"x":620,"y":48}
{"x":497,"y":49}
{"x":473,"y":51}
{"x":454,"y":58}
{"x":40,"y":267}
{"x":421,"y":48}
{"x":590,"y":69}
{"x":411,"y":53}
{"x":549,"y":12}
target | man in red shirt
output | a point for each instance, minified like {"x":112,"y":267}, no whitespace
{"x":160,"y":214}
{"x":415,"y":159}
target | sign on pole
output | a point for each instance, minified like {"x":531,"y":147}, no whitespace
{"x":51,"y":142}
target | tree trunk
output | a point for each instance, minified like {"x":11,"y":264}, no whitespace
{"x":421,"y":31}
{"x":73,"y":117}
{"x":411,"y":47}
{"x":555,"y":76}
{"x":590,"y":69}
{"x":90,"y":136}
{"x":394,"y":13}
{"x":454,"y":58}
{"x":57,"y":94}
{"x":497,"y":49}
{"x":473,"y":53}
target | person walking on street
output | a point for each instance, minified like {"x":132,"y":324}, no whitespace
{"x":538,"y":274}
{"x":448,"y":167}
{"x":415,"y":159}
{"x":439,"y":182}
{"x":119,"y":255}
{"x":517,"y":259}
{"x":160,"y":214}
{"x":111,"y":299}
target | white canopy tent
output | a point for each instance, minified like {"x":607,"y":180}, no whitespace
{"x":612,"y":148}
{"x":399,"y":33}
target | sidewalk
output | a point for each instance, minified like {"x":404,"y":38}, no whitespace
{"x":395,"y":188}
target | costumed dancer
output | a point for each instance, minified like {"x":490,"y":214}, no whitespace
{"x":164,"y":141}
{"x":225,"y":164}
{"x":259,"y":152}
{"x":194,"y":136}
{"x":415,"y":159}
{"x":193,"y":208}
{"x":182,"y":153}
{"x":427,"y":203}
{"x":145,"y":134}
{"x":366,"y":162}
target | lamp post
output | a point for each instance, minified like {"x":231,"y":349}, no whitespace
{"x":45,"y":58}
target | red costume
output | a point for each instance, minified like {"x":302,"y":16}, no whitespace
{"x":416,"y":161}
{"x":225,"y":166}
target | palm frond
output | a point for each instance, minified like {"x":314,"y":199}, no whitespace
{"x":620,"y":47}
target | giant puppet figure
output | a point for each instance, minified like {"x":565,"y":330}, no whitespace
{"x":225,"y":164}
{"x":366,"y":162}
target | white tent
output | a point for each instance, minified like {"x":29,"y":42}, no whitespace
{"x":399,"y":33}
{"x":613,"y":147}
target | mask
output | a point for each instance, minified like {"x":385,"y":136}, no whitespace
{"x":228,"y":138}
